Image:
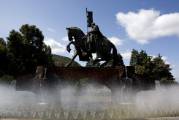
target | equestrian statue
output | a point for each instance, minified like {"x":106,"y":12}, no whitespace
{"x":92,"y":42}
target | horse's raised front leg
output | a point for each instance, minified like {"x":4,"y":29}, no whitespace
{"x":68,"y":46}
{"x":69,"y":64}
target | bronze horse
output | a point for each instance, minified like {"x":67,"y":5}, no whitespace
{"x":104,"y":49}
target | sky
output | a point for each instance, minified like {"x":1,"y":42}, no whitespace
{"x":150,"y":25}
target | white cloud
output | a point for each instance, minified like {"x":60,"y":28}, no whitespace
{"x":165,"y":59}
{"x":65,"y":39}
{"x":126,"y":55}
{"x":146,"y":25}
{"x":168,"y":62}
{"x":57,"y":47}
{"x":116,"y":41}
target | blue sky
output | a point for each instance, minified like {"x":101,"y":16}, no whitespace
{"x":140,"y":24}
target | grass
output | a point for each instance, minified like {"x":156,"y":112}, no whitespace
{"x":114,"y":113}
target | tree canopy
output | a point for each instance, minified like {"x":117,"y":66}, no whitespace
{"x":3,"y":57}
{"x":153,"y":68}
{"x":26,"y":49}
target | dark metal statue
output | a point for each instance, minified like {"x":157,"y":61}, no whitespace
{"x":104,"y":49}
{"x":93,"y":42}
{"x":77,"y":38}
{"x":93,"y":35}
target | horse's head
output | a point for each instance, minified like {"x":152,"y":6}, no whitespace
{"x":69,"y":32}
{"x":74,"y":32}
{"x":75,"y":36}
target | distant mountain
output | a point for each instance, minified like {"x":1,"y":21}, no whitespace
{"x":61,"y":61}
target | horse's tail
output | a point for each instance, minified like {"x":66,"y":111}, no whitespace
{"x":115,"y":56}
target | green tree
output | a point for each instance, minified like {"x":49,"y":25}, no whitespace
{"x":143,"y":66}
{"x":3,"y":56}
{"x":161,"y":69}
{"x":14,"y":52}
{"x":134,"y":56}
{"x":151,"y":68}
{"x":141,"y":61}
{"x":26,"y":50}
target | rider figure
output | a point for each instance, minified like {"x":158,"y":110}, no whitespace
{"x":94,"y":35}
{"x":95,"y":28}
